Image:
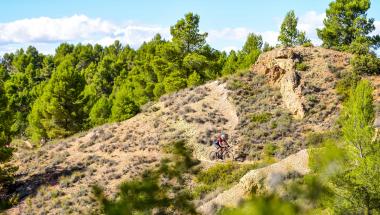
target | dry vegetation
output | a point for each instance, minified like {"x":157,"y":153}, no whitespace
{"x":263,"y":119}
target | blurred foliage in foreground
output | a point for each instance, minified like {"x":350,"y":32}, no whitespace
{"x":160,"y":191}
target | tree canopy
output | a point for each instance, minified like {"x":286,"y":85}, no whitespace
{"x":289,"y":34}
{"x":84,"y":85}
{"x":346,"y":22}
{"x":186,"y":33}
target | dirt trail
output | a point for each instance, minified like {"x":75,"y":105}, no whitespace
{"x":217,"y":97}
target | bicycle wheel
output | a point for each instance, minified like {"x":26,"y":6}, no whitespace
{"x":213,"y":155}
{"x":228,"y":156}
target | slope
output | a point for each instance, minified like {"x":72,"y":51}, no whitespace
{"x":269,"y":111}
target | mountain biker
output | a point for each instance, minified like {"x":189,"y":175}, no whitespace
{"x":221,"y":142}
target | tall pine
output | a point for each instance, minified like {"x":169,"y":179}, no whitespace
{"x":58,"y":112}
{"x":346,"y":21}
{"x":289,"y":34}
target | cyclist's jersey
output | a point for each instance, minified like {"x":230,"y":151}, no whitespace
{"x":220,"y":141}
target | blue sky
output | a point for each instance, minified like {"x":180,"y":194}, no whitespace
{"x":45,"y":24}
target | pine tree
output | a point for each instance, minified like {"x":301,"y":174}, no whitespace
{"x":358,"y":113}
{"x":345,"y":22}
{"x":159,"y":90}
{"x":254,"y":42}
{"x":289,"y":34}
{"x":267,"y":47}
{"x":58,"y":112}
{"x":231,"y":64}
{"x":350,"y":168}
{"x":6,"y":151}
{"x":100,"y":112}
{"x":175,"y":81}
{"x":123,"y":106}
{"x":194,"y":79}
{"x":186,"y":34}
{"x":251,"y":51}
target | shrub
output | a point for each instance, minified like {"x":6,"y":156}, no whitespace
{"x":302,"y":66}
{"x":308,"y":44}
{"x":312,"y":98}
{"x":316,"y":138}
{"x":269,"y":151}
{"x":262,"y":205}
{"x":366,"y":64}
{"x":123,"y":106}
{"x":234,"y":85}
{"x":194,"y":79}
{"x":261,"y":117}
{"x":220,"y":176}
{"x":347,"y":81}
{"x":100,"y":112}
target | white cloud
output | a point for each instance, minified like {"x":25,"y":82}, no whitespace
{"x":270,"y":37}
{"x":237,"y":37}
{"x":78,"y":28}
{"x":133,"y":35}
{"x":377,"y":26}
{"x":309,"y":22}
{"x":45,"y":29}
{"x":239,"y":33}
{"x":46,"y":33}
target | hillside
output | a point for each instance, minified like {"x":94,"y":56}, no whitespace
{"x":287,"y":95}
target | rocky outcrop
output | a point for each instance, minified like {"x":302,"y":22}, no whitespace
{"x":267,"y":178}
{"x":279,"y":67}
{"x":290,"y":88}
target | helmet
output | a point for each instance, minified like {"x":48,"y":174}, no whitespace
{"x":223,"y":136}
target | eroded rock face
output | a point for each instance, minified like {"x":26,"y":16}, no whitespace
{"x":290,"y":88}
{"x":279,"y":67}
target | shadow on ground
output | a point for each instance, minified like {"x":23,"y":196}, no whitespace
{"x":29,"y":186}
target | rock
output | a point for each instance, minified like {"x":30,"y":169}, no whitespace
{"x":290,"y":89}
{"x":279,"y":67}
{"x":263,"y":179}
{"x":284,"y":53}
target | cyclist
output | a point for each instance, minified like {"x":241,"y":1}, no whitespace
{"x":221,"y":143}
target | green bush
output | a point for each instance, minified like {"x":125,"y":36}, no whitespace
{"x":234,"y":85}
{"x":346,"y":82}
{"x":317,"y":138}
{"x":366,"y":64}
{"x":269,"y":152}
{"x":308,"y":44}
{"x":270,"y":149}
{"x":302,"y":66}
{"x":261,"y":117}
{"x":220,"y":176}
{"x":262,"y":205}
{"x":312,"y":98}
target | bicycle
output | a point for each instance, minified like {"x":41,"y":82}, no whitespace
{"x":223,"y":155}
